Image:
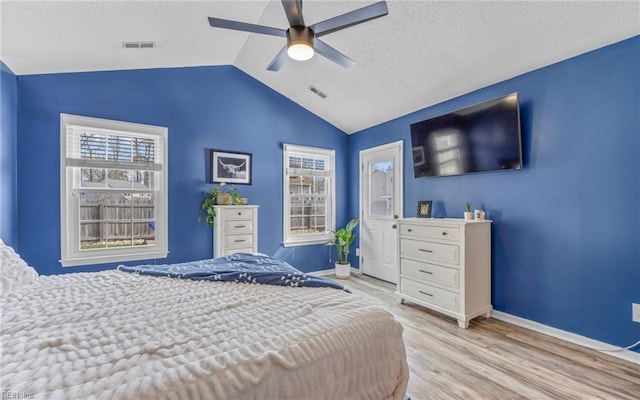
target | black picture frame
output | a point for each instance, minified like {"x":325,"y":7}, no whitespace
{"x":424,"y":208}
{"x":231,"y":167}
{"x":418,"y":156}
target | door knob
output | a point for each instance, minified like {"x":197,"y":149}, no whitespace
{"x":396,"y":216}
{"x":394,"y":226}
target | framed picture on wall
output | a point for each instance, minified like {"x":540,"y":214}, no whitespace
{"x":230,"y":167}
{"x":418,"y":155}
{"x":424,"y":208}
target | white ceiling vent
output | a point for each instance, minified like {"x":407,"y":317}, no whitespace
{"x":138,"y":45}
{"x":317,"y":91}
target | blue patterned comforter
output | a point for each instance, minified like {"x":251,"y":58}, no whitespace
{"x":239,"y":267}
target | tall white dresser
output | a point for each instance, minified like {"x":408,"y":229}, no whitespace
{"x":235,"y":230}
{"x":445,"y":265}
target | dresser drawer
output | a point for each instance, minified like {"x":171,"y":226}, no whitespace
{"x":238,"y":213}
{"x":235,"y":227}
{"x":430,"y":294}
{"x":430,"y":251}
{"x":228,"y":252}
{"x":449,"y":277}
{"x":235,"y":241}
{"x":431,"y":231}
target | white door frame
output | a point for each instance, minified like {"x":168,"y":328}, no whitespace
{"x":400,"y":183}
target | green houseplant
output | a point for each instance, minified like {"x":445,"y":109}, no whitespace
{"x":344,"y":238}
{"x":467,"y":213}
{"x":207,"y":210}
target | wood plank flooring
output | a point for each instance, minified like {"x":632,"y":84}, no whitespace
{"x":496,"y":360}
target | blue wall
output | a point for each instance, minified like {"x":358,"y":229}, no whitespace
{"x":8,"y":152}
{"x":204,"y":108}
{"x":566,"y":232}
{"x":567,"y":227}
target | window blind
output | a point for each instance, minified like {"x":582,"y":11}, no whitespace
{"x":103,"y":148}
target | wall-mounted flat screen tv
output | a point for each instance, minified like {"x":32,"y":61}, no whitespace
{"x":483,"y":137}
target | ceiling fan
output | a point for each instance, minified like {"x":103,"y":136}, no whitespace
{"x":302,"y":40}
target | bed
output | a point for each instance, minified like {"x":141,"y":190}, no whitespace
{"x":122,"y":335}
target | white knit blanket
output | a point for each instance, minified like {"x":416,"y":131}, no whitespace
{"x":115,"y":335}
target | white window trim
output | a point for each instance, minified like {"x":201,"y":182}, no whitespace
{"x":71,"y":255}
{"x":302,"y":240}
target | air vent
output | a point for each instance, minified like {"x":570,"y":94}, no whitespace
{"x":138,"y":45}
{"x":317,"y":91}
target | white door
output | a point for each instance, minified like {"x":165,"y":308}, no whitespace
{"x":380,"y":205}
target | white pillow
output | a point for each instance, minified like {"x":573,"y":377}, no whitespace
{"x":14,"y":272}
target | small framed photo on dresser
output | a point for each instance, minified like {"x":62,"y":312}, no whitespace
{"x":424,"y":208}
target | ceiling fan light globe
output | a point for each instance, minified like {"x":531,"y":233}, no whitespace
{"x":300,"y":51}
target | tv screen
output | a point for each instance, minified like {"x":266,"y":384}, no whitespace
{"x":484,"y":137}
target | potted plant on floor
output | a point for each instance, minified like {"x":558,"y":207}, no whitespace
{"x":344,"y":238}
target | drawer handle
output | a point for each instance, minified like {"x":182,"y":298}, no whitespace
{"x":425,"y":293}
{"x":239,"y":226}
{"x":426,"y":250}
{"x":426,"y":272}
{"x":238,"y":241}
{"x":239,"y":212}
{"x":444,"y":233}
{"x":409,"y":230}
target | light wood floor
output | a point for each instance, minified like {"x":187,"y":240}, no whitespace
{"x":496,"y":360}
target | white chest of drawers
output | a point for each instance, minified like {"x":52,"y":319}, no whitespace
{"x":445,"y":265}
{"x":235,"y":230}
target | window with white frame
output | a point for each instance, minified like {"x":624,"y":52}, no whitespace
{"x":113,"y":195}
{"x":309,"y":198}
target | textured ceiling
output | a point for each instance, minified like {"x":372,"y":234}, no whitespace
{"x":422,"y":53}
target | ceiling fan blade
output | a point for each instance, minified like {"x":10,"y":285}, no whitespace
{"x":243,"y":26}
{"x":351,"y":18}
{"x":293,"y":9}
{"x":332,"y":54}
{"x":279,"y":60}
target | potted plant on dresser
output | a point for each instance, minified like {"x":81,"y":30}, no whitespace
{"x":217,"y":196}
{"x":344,"y":238}
{"x":468,"y":216}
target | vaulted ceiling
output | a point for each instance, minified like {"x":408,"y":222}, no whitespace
{"x":420,"y":54}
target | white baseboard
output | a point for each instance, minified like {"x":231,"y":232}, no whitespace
{"x":323,"y":272}
{"x":627,"y":355}
{"x":326,"y":272}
